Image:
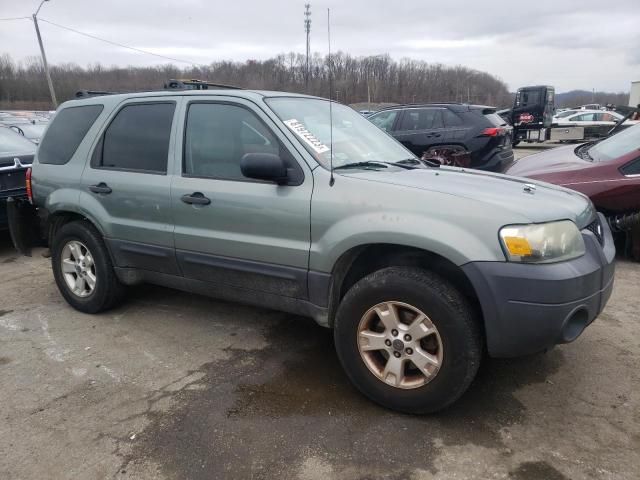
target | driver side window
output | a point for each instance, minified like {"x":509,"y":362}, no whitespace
{"x":218,"y":135}
{"x":384,"y":120}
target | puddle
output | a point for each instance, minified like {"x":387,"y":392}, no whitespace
{"x":536,"y":471}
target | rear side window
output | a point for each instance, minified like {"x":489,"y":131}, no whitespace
{"x":495,"y":119}
{"x":137,"y":139}
{"x":451,"y":119}
{"x":65,"y":133}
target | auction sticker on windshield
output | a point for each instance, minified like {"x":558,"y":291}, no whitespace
{"x":307,"y":137}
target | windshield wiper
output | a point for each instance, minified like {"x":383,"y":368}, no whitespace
{"x":583,"y":151}
{"x":407,"y":163}
{"x":361,"y":165}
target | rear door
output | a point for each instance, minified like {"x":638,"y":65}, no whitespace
{"x":238,"y":232}
{"x":125,"y":186}
{"x":421,"y":128}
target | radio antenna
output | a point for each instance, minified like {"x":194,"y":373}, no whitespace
{"x":331,"y":179}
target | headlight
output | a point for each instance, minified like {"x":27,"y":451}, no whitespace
{"x":543,"y":242}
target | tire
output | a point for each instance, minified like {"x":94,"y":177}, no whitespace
{"x":107,"y":291}
{"x":458,"y":339}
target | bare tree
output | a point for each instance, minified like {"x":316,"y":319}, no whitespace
{"x":378,"y":78}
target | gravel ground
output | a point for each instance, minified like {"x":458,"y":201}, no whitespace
{"x":172,"y":385}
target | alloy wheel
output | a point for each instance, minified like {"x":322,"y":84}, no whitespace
{"x":400,"y":345}
{"x":78,"y":268}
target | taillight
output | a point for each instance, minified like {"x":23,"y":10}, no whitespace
{"x":493,"y":132}
{"x":28,"y":183}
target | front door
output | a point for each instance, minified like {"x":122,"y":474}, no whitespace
{"x":231,"y":230}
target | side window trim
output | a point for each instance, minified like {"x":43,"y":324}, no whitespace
{"x":182,"y":151}
{"x":97,"y":149}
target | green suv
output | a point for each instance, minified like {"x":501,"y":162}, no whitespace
{"x":259,"y":197}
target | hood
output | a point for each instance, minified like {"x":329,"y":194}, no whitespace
{"x":544,"y":203}
{"x":561,"y":159}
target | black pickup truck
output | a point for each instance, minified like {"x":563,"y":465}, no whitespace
{"x":16,"y":155}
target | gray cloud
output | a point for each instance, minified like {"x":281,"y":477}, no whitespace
{"x":569,"y":44}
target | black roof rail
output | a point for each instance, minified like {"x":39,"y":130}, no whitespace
{"x":427,"y":104}
{"x":173,"y":84}
{"x":92,"y":93}
{"x":194,"y":84}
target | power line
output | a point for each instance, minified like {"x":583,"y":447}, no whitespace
{"x":120,"y":44}
{"x":14,"y":18}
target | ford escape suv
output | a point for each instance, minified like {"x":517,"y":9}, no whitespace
{"x":258,"y":197}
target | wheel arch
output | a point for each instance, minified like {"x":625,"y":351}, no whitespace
{"x":59,"y":218}
{"x":360,"y":261}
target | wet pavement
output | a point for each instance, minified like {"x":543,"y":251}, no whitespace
{"x":176,"y":386}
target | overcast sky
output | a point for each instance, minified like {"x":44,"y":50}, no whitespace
{"x":571,"y":44}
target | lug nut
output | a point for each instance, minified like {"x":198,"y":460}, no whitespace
{"x":394,"y":332}
{"x":409,"y":351}
{"x":387,"y":343}
{"x":407,"y":338}
{"x":396,"y":354}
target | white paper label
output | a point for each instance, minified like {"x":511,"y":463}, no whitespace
{"x":307,"y":137}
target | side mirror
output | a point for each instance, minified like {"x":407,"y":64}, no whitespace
{"x":264,"y":166}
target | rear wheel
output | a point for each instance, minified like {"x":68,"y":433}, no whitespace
{"x":82,"y":268}
{"x":408,"y":339}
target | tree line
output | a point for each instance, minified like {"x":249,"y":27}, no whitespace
{"x":354,"y":80}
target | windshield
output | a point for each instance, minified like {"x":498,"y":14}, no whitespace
{"x":12,"y":142}
{"x":355,"y":139}
{"x":616,"y":146}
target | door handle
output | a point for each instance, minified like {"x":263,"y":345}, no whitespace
{"x":195,"y":198}
{"x":100,"y":188}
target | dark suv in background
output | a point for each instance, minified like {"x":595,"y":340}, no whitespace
{"x":458,"y":134}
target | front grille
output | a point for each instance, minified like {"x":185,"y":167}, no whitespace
{"x":595,"y":227}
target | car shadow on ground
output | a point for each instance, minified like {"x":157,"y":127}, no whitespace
{"x":291,"y":400}
{"x":8,"y":253}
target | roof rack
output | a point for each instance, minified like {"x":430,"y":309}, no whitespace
{"x":92,"y":93}
{"x":194,"y":84}
{"x":173,"y":84}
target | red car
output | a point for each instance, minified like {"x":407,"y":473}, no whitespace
{"x":607,"y":171}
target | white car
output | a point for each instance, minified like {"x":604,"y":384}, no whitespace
{"x":596,"y":123}
{"x":589,"y":118}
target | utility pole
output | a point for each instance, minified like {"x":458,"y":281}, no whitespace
{"x":44,"y":57}
{"x":307,"y":29}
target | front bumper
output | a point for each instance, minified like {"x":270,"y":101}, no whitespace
{"x":528,"y":308}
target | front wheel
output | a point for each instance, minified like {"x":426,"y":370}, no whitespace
{"x":408,"y":339}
